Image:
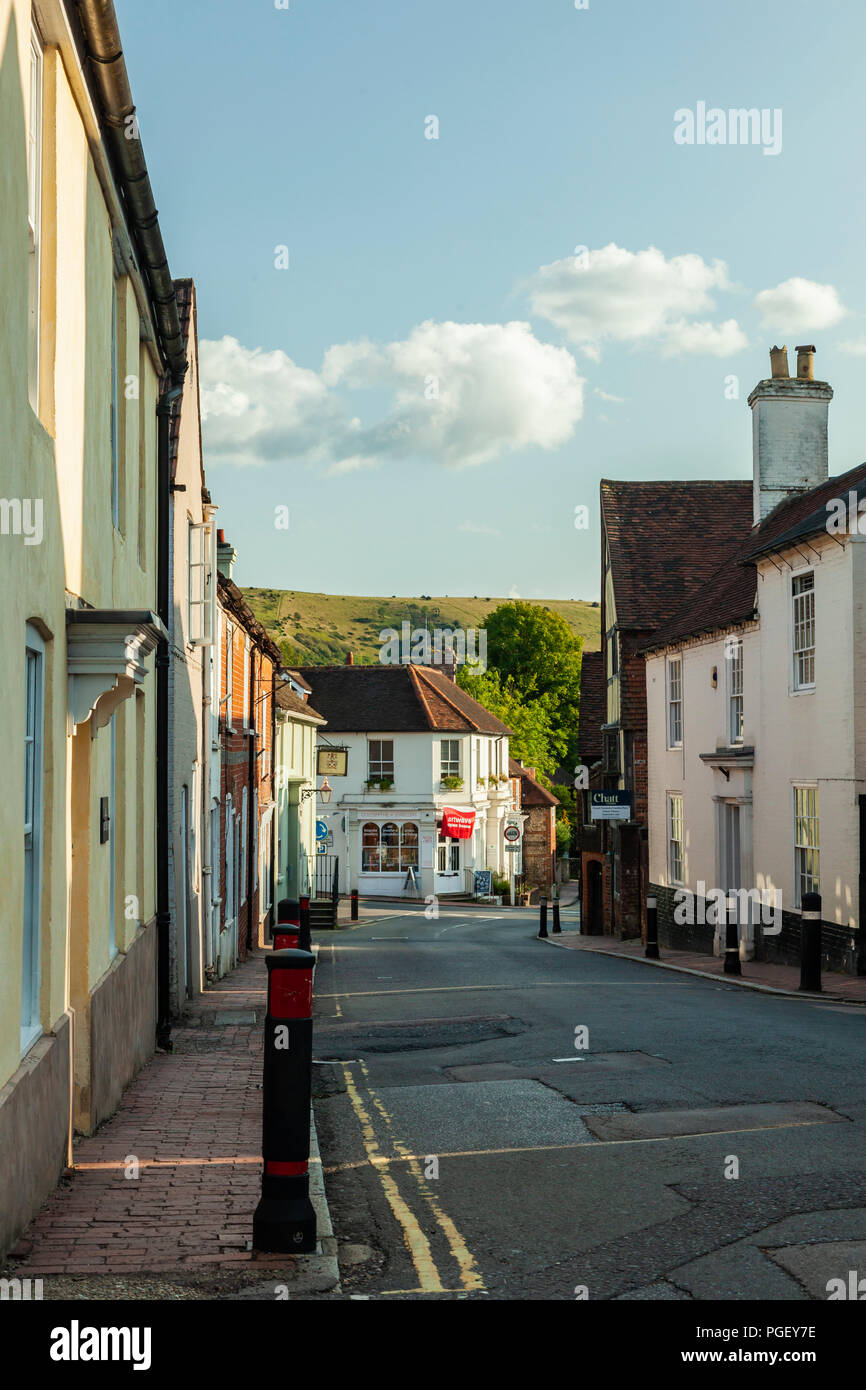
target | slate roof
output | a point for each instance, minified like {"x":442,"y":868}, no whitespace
{"x":396,"y":699}
{"x":231,"y":598}
{"x":667,"y":539}
{"x":729,"y":598}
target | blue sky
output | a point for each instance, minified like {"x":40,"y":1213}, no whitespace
{"x":373,"y":387}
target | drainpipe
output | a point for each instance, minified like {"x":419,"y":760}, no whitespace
{"x":164,"y":412}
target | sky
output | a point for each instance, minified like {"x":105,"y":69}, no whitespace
{"x":457,"y":262}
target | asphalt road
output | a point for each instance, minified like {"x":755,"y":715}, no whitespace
{"x":502,"y":1118}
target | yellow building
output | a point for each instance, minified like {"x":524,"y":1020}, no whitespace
{"x":91,"y":358}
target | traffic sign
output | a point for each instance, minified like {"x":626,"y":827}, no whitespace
{"x":321,"y":830}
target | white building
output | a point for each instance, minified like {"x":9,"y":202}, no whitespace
{"x":419,"y":750}
{"x":756,"y":705}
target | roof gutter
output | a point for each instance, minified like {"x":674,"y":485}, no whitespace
{"x":108,"y":70}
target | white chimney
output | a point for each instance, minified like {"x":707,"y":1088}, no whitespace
{"x":789,"y":431}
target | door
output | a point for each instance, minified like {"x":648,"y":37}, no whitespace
{"x":595,"y":905}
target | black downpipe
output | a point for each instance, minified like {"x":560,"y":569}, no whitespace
{"x":163,"y":599}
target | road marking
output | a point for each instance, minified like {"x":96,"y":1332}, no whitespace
{"x":469,"y":1275}
{"x":416,"y":1241}
{"x":568,"y":1059}
{"x":505,"y":989}
{"x":599,"y":1145}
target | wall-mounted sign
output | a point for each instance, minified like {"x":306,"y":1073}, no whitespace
{"x":332,"y":762}
{"x":610,"y":806}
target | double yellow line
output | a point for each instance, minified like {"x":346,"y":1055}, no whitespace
{"x":429,"y":1278}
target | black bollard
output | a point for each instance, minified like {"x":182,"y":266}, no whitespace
{"x":284,"y":1219}
{"x":732,"y":937}
{"x":304,"y":934}
{"x":556,"y":926}
{"x":810,"y":943}
{"x":542,"y":927}
{"x":354,"y":903}
{"x":652,"y":929}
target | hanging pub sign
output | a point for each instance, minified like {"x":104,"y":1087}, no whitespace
{"x":457,"y":825}
{"x":610,"y":806}
{"x":332,"y":762}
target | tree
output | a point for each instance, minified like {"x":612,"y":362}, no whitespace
{"x":534,"y":650}
{"x":535,"y":740}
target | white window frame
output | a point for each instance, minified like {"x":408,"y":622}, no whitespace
{"x":803,"y":626}
{"x":34,"y":211}
{"x":200,"y":574}
{"x":229,"y":914}
{"x":449,"y":766}
{"x":807,"y":841}
{"x":34,"y":836}
{"x":676,"y":855}
{"x":447,"y":854}
{"x":230,"y":667}
{"x":381,"y":762}
{"x":735,"y":690}
{"x":674,"y":701}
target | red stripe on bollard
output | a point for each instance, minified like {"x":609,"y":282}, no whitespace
{"x":290,"y":994}
{"x":274,"y":1169}
{"x":285,"y":938}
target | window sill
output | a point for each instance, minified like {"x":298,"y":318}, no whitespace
{"x":801,"y":690}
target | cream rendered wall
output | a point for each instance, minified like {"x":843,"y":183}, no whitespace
{"x":812,"y":736}
{"x":705,"y":728}
{"x":295,"y":769}
{"x":31,"y":576}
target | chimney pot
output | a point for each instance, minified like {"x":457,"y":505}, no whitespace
{"x":350,"y":658}
{"x":221,"y":537}
{"x":779,"y":362}
{"x":806,"y":362}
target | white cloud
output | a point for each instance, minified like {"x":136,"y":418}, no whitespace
{"x":606,"y":396}
{"x":622,"y":296}
{"x":855,"y":346}
{"x":800,"y":305}
{"x":459,"y":393}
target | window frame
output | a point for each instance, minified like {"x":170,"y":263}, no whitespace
{"x":735,"y":693}
{"x":449,"y":767}
{"x":199,"y":583}
{"x":447,"y":854}
{"x":30,"y":1019}
{"x":803,"y":875}
{"x":674,"y":702}
{"x":408,"y":854}
{"x":676,"y":820}
{"x":799,"y":655}
{"x":382,"y":761}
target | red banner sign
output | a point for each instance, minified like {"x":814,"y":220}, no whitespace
{"x":457,"y":825}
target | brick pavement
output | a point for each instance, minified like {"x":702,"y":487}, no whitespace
{"x":786,"y":977}
{"x":192,"y":1119}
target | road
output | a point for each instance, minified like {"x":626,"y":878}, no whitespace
{"x":503,"y":1118}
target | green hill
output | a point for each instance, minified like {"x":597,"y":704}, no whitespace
{"x":315,"y":629}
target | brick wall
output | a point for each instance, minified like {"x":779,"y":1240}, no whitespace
{"x":539,"y":843}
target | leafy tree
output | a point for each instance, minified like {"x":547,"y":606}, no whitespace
{"x":535,"y":739}
{"x":534,"y":649}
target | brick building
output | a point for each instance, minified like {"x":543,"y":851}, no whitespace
{"x":660,"y":542}
{"x":538,"y":848}
{"x":249,"y":661}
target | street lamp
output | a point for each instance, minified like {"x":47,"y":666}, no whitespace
{"x":324,"y":791}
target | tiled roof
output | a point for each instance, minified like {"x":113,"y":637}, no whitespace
{"x":667,"y":539}
{"x":532,"y":793}
{"x":729,"y":598}
{"x":293,"y":704}
{"x":593,"y":706}
{"x":232,"y":599}
{"x":396,"y":699}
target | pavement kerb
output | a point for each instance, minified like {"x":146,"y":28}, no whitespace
{"x":325,"y":1259}
{"x":718,"y":979}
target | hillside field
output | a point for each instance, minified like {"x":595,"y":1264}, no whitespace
{"x":317,"y":629}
